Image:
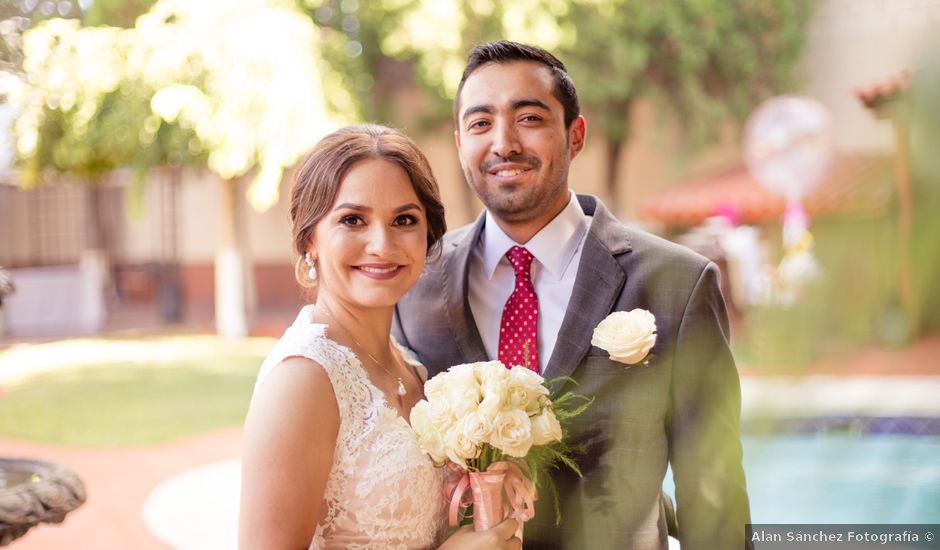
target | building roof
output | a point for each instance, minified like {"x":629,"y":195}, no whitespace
{"x":856,"y":184}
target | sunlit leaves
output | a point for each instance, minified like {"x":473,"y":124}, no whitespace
{"x":246,"y":77}
{"x":703,"y":60}
{"x":66,"y":97}
{"x":238,"y":83}
{"x":433,"y":29}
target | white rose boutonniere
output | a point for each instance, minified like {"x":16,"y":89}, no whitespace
{"x":628,"y":336}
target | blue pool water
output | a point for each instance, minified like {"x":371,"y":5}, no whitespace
{"x":841,"y":478}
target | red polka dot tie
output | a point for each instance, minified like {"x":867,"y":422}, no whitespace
{"x":518,"y":330}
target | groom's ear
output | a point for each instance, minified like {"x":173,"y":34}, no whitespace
{"x":576,"y":135}
{"x":457,"y":138}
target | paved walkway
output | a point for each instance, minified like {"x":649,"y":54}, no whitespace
{"x":186,"y":491}
{"x":117,"y":482}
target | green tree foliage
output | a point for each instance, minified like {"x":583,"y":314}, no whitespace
{"x":351,"y":40}
{"x":237,"y":86}
{"x":16,"y":16}
{"x":85,"y":112}
{"x":246,"y":77}
{"x":704,"y":62}
{"x":71,"y":117}
{"x":116,"y":13}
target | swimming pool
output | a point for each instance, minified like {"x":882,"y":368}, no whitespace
{"x":827,"y":477}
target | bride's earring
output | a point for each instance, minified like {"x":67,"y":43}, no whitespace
{"x":311,"y":267}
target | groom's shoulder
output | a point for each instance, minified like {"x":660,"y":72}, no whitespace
{"x":666,"y":271}
{"x":456,"y":236}
{"x":644,"y":247}
{"x":649,"y":247}
{"x":450,"y":245}
{"x":438,"y":263}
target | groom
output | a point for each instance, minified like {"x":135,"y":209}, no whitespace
{"x":533,"y":277}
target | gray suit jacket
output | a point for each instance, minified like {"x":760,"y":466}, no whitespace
{"x":682,"y":408}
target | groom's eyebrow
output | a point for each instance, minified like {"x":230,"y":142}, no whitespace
{"x":515,"y":106}
{"x":485,"y":109}
{"x":522,"y":103}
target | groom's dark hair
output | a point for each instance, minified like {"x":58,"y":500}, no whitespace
{"x":505,"y":51}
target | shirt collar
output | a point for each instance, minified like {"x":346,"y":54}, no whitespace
{"x":553,"y":246}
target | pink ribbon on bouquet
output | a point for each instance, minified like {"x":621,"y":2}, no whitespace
{"x":455,"y":490}
{"x":502,"y":491}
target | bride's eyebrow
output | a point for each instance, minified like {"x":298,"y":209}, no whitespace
{"x":405,"y":208}
{"x":363,"y":208}
{"x":352,"y":206}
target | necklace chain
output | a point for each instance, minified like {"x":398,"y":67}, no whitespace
{"x":401,"y":390}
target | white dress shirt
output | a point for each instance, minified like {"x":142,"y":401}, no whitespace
{"x":557,"y":250}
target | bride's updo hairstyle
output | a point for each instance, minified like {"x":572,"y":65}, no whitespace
{"x":317,"y":182}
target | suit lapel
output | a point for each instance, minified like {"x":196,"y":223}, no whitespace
{"x":455,"y":282}
{"x":597,"y":286}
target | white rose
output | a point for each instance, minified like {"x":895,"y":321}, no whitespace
{"x":463,"y":405}
{"x":628,"y":336}
{"x":490,"y":372}
{"x":512,"y":433}
{"x":441,"y":415}
{"x":525,"y":389}
{"x":463,"y":392}
{"x":494,"y":395}
{"x":457,"y":385}
{"x":494,"y":384}
{"x":433,"y":445}
{"x":516,"y":398}
{"x":420,"y":422}
{"x":460,"y":447}
{"x":476,"y":426}
{"x":545,"y":428}
{"x":429,"y":437}
{"x":462,"y":369}
{"x":521,"y":376}
{"x":435,"y":387}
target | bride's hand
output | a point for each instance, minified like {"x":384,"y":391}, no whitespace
{"x":501,"y":537}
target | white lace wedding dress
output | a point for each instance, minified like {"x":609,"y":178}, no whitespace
{"x":382,"y":491}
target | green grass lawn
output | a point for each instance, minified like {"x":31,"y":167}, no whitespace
{"x":132,"y":402}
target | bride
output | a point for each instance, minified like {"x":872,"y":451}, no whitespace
{"x":329,"y":460}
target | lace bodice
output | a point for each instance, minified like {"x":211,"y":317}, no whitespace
{"x":382,"y":491}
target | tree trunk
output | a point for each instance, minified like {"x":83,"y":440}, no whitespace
{"x":612,"y":161}
{"x":171,"y":295}
{"x":95,"y":263}
{"x":905,"y":207}
{"x":231,"y":318}
{"x":616,"y":124}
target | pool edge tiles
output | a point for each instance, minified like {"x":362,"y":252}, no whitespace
{"x":924,"y":426}
{"x":841,"y":396}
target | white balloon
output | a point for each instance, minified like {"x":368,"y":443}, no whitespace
{"x":788,"y":145}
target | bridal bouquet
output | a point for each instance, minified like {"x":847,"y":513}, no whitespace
{"x":498,"y":430}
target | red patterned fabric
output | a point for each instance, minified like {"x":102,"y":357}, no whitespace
{"x":518,"y":331}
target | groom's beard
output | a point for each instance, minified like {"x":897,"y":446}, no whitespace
{"x":514,"y":202}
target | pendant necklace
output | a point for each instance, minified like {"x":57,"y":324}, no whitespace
{"x":402,"y":391}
